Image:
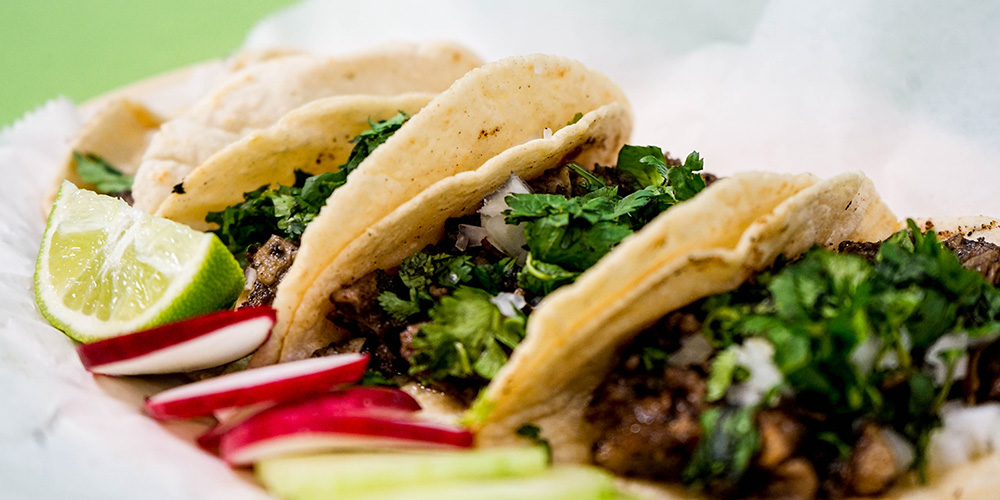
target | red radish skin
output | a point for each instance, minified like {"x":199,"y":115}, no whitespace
{"x":298,"y":429}
{"x":275,"y":383}
{"x":350,"y":400}
{"x":193,"y":344}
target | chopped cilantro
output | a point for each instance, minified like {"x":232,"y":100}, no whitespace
{"x":721,"y":375}
{"x":575,"y":119}
{"x":367,"y":141}
{"x":534,"y":434}
{"x":105,"y":178}
{"x":565,"y":236}
{"x":572,"y":233}
{"x":284,"y":211}
{"x":654,"y":359}
{"x":287,"y":210}
{"x":819,"y":310}
{"x":420,"y":271}
{"x":375,"y":378}
{"x":464,"y":337}
{"x":728,"y":442}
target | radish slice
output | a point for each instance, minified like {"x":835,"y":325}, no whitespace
{"x":350,"y":400}
{"x":300,"y":429}
{"x":282,"y":382}
{"x":238,"y":414}
{"x":193,"y":344}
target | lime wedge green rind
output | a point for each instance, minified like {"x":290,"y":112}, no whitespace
{"x":106,"y":269}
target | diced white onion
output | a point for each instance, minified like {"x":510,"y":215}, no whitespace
{"x":890,"y":360}
{"x":249,"y":277}
{"x":546,"y":133}
{"x":937,"y":366}
{"x":757,"y":356}
{"x":695,"y":349}
{"x":508,"y":303}
{"x":903,"y":452}
{"x":968,"y":432}
{"x":508,"y":238}
{"x":469,"y":236}
{"x":863,"y":356}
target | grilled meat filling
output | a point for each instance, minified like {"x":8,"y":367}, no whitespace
{"x":646,"y":414}
{"x":268,"y":263}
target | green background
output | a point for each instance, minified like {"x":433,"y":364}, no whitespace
{"x":81,"y":48}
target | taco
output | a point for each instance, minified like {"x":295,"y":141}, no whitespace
{"x":316,"y":138}
{"x":501,"y":110}
{"x":118,"y":127}
{"x":440,"y":315}
{"x":259,"y":95}
{"x":754,"y":366}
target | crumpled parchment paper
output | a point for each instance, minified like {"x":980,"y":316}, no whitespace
{"x":905,"y":91}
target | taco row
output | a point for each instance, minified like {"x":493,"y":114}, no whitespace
{"x":488,"y":237}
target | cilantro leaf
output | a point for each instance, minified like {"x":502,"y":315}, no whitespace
{"x":728,"y":442}
{"x":821,"y":310}
{"x":541,"y":278}
{"x":684,"y":179}
{"x":367,"y":141}
{"x":573,"y":233}
{"x":105,"y":178}
{"x":287,"y":210}
{"x":284,"y":211}
{"x":631,"y":161}
{"x":400,"y":309}
{"x":565,"y":236}
{"x":375,"y":378}
{"x":721,"y":375}
{"x":533,"y":433}
{"x":420,"y":271}
{"x":461,"y":340}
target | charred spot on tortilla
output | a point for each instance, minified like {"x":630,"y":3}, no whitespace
{"x":487,"y":133}
{"x":178,"y":188}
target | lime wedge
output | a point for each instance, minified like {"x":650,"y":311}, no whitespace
{"x":105,"y":268}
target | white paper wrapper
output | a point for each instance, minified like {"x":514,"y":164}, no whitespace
{"x":905,"y":91}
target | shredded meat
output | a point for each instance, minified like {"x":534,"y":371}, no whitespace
{"x":650,"y":436}
{"x":780,"y":436}
{"x":566,"y":182}
{"x":793,"y":479}
{"x":872,"y":467}
{"x":648,"y":419}
{"x":356,"y":309}
{"x":269,"y":262}
{"x":867,"y":250}
{"x":709,"y":178}
{"x":125,"y":196}
{"x":349,"y":346}
{"x":983,"y":380}
{"x":979,"y":255}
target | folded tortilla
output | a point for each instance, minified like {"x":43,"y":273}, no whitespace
{"x":261,"y":94}
{"x":120,"y":124}
{"x":442,"y":162}
{"x":707,"y":245}
{"x":315,"y":138}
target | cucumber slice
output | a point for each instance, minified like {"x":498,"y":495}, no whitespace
{"x":351,"y":475}
{"x":560,"y":483}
